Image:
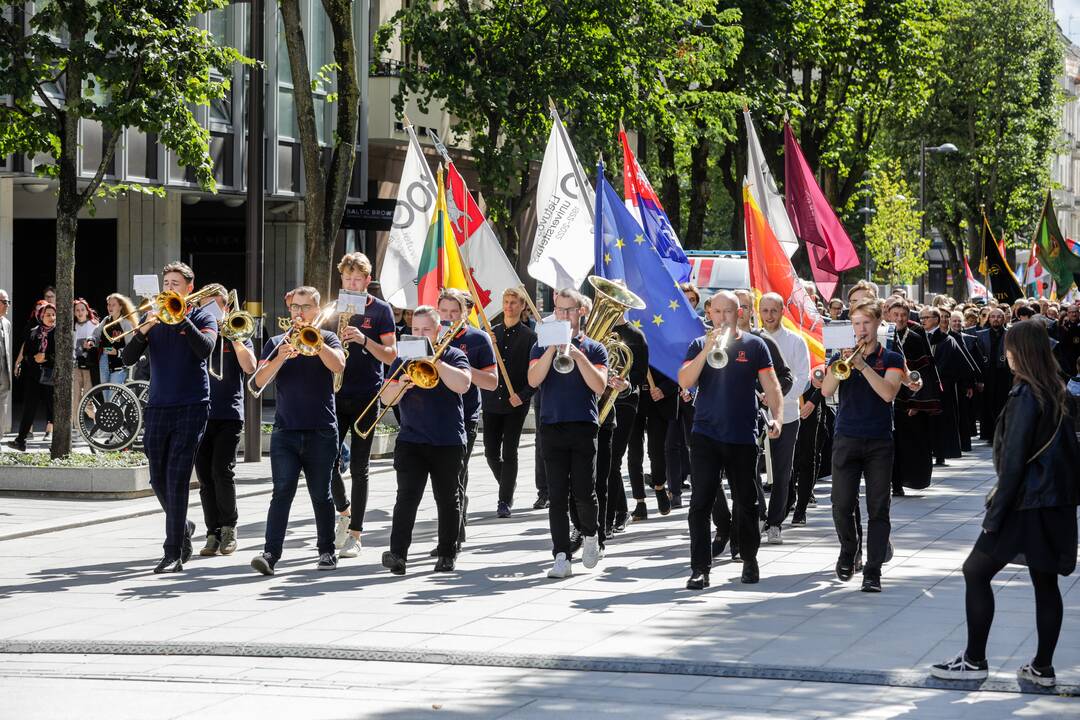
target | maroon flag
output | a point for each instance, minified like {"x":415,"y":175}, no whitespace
{"x":827,"y":244}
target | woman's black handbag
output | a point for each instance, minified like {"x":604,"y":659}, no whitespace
{"x":48,"y":376}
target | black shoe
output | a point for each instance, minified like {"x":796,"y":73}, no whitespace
{"x":871,"y":584}
{"x":940,"y":462}
{"x":541,"y":502}
{"x":719,"y":543}
{"x":393,"y":563}
{"x":844,"y":569}
{"x":898,"y":492}
{"x":264,"y":563}
{"x":575,"y":540}
{"x":502,"y":510}
{"x":798,"y":519}
{"x":676,"y":501}
{"x":169,"y":565}
{"x":698,"y":581}
{"x":640,"y":512}
{"x":812,"y":502}
{"x":444,"y":564}
{"x":327,"y":561}
{"x":186,"y":549}
{"x":736,"y":556}
{"x":620,"y":522}
{"x":750,"y":573}
{"x":663,"y":500}
{"x":434,"y":552}
{"x":17,"y":444}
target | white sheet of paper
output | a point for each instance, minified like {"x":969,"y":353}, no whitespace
{"x":214,"y":310}
{"x":553,"y":332}
{"x":838,"y":335}
{"x":357,"y":301}
{"x":410,"y":348}
{"x":145,"y":286}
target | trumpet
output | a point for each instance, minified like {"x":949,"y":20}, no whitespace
{"x":841,"y":369}
{"x":421,"y":371}
{"x":718,"y":357}
{"x":171,"y":308}
{"x":562,"y":362}
{"x":306,"y":338}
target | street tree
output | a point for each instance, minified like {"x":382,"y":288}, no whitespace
{"x":893,"y":236}
{"x":326,"y":184}
{"x":120,"y":64}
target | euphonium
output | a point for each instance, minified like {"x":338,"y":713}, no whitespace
{"x":841,"y":369}
{"x":718,"y":357}
{"x":620,"y":360}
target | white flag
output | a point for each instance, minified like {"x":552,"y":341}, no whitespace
{"x":412,"y":218}
{"x":763,"y":188}
{"x":562,"y":251}
{"x":491,"y":269}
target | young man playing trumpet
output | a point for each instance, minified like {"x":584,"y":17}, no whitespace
{"x":178,"y":406}
{"x":216,"y":456}
{"x":863,"y":445}
{"x":431,"y":443}
{"x":305,"y":433}
{"x":371,"y":341}
{"x":724,"y":434}
{"x":568,"y":431}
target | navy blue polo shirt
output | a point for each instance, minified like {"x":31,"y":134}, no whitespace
{"x":478,"y":349}
{"x":727,"y":404}
{"x":435,"y":416}
{"x":566,"y":398}
{"x":227,"y":394}
{"x":305,"y":389}
{"x":177,"y":375}
{"x":862,"y":412}
{"x":363,"y":371}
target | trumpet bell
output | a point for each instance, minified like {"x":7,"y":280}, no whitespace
{"x":717,"y":359}
{"x":563,"y":363}
{"x":308,"y":340}
{"x":171,"y":307}
{"x":841,"y":369}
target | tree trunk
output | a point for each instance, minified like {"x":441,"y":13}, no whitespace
{"x":669,"y":184}
{"x":699,"y":190}
{"x":729,"y":175}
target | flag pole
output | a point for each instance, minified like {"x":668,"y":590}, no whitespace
{"x":483,"y":317}
{"x":576,"y":166}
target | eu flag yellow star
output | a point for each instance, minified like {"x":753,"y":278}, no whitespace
{"x":674,"y":304}
{"x":620,"y":244}
{"x":607,"y":257}
{"x":639,"y":239}
{"x":636,"y":323}
{"x":657,"y":320}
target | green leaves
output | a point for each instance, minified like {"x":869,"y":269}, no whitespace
{"x":893,"y":237}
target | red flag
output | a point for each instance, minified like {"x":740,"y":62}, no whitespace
{"x":827,"y":244}
{"x":771,"y":271}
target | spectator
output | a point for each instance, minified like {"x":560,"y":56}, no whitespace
{"x":37,"y":372}
{"x":110,"y":367}
{"x":86,"y":322}
{"x":836,"y":309}
{"x":5,"y":364}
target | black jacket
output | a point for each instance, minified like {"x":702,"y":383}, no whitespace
{"x":514,"y":346}
{"x":1050,"y":480}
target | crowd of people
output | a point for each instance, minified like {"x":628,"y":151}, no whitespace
{"x":918,"y":385}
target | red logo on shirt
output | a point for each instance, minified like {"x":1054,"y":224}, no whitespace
{"x":741,"y":357}
{"x":366,"y":325}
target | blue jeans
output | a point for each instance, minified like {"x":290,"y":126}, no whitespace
{"x":314,"y":452}
{"x":111,"y":376}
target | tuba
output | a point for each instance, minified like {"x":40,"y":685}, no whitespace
{"x":611,"y":303}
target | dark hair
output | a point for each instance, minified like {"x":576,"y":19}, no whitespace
{"x":1032,"y":361}
{"x":179,"y":267}
{"x":91,"y":314}
{"x":1025,"y":311}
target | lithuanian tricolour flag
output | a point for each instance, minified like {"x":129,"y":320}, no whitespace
{"x":440,"y":264}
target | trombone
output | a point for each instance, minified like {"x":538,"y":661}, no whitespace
{"x":235,"y":326}
{"x":306,"y":338}
{"x":841,"y":369}
{"x":423,"y":373}
{"x":171,"y":308}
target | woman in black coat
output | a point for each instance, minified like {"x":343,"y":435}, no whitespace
{"x":1031,"y":512}
{"x":36,"y":371}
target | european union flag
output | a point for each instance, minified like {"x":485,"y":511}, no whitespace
{"x":659,"y":231}
{"x":624,"y":253}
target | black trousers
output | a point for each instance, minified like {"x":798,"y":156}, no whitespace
{"x":414,"y":463}
{"x":570,"y":461}
{"x":625,"y":413}
{"x":854,"y":458}
{"x":708,"y":458}
{"x":539,"y":471}
{"x":348,"y":410}
{"x":463,"y":479}
{"x":603,"y":460}
{"x":215,"y":463}
{"x":35,"y":395}
{"x":806,"y":464}
{"x":649,"y":420}
{"x":782,"y":453}
{"x":502,"y":435}
{"x":677,"y":447}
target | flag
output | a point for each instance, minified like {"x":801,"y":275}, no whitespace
{"x":561,"y":256}
{"x":827,"y":244}
{"x":440,"y":264}
{"x":1054,"y":253}
{"x":974,"y":287}
{"x":644,"y":205}
{"x":1003,"y":283}
{"x":771,"y":271}
{"x":668,"y":321}
{"x":763,"y":188}
{"x":412,"y":218}
{"x":481,"y":251}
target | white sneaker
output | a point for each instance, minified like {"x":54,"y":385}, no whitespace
{"x":774,"y":536}
{"x":351,"y":548}
{"x":341,"y":534}
{"x":561,"y":568}
{"x":591,"y":553}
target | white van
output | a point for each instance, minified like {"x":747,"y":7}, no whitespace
{"x":712,"y":270}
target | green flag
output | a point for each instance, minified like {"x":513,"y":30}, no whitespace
{"x":1003,"y":283}
{"x":1053,"y":253}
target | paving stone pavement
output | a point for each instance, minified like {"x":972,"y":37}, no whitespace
{"x":90,"y":587}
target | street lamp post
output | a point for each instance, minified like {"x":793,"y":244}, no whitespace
{"x":943,"y":149}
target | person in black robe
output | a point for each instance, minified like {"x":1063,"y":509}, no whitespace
{"x":953,"y":371}
{"x":913,"y":464}
{"x":966,"y":392}
{"x":997,"y":378}
{"x":1069,"y":336}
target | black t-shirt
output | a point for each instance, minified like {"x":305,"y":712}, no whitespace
{"x":227,"y":394}
{"x":862,"y":412}
{"x":363,"y":371}
{"x":477,"y":348}
{"x":435,"y":416}
{"x":515,"y":344}
{"x":305,"y":389}
{"x":566,"y":398}
{"x":727,"y":404}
